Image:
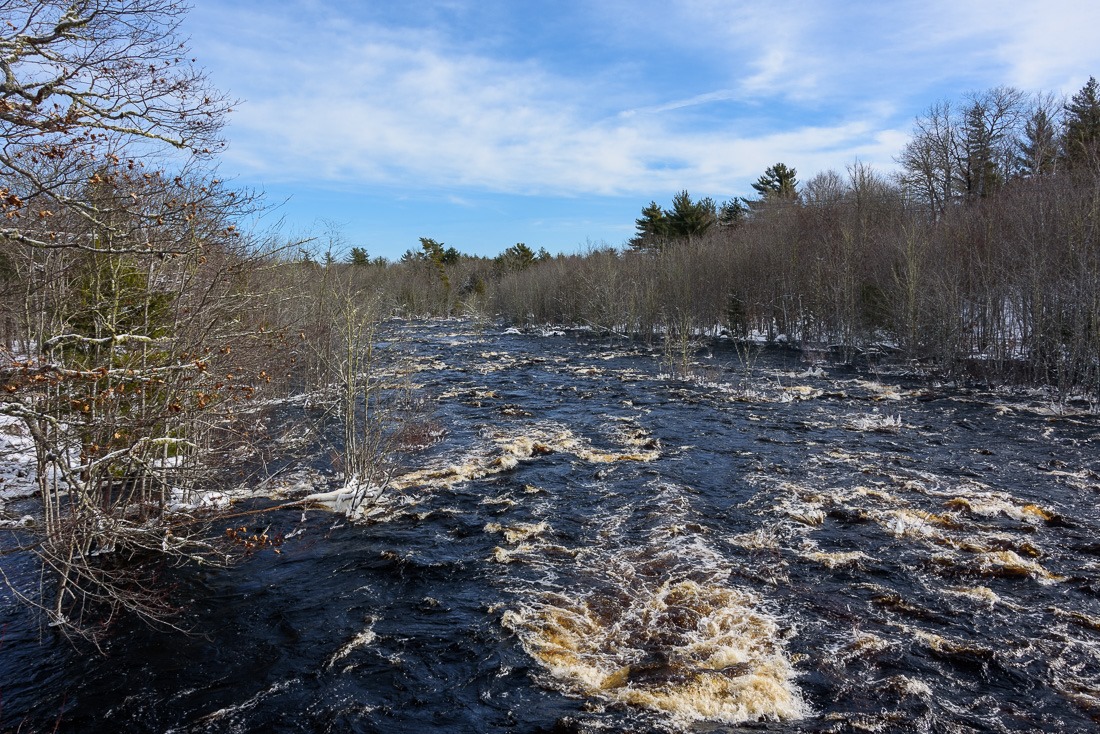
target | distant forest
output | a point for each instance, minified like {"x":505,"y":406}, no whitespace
{"x":979,"y":258}
{"x":142,"y":317}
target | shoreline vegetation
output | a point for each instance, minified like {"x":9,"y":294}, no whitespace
{"x":145,"y":319}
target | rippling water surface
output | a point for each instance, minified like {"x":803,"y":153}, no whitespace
{"x":593,"y":546}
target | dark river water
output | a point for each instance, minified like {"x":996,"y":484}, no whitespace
{"x":596,"y":546}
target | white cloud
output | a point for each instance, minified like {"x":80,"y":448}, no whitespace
{"x":383,"y":106}
{"x":1050,"y":45}
{"x":336,"y":99}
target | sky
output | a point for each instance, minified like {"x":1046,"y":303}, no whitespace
{"x":483,"y":123}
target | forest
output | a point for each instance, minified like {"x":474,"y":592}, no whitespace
{"x":977,"y":259}
{"x":145,"y":317}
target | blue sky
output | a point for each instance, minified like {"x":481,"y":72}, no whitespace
{"x":482,"y":123}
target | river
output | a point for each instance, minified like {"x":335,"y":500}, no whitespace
{"x":595,"y":546}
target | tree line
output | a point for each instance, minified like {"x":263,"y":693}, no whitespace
{"x":978,"y":258}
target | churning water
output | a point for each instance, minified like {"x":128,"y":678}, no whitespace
{"x":593,"y":546}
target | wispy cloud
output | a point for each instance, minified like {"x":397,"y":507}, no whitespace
{"x":337,"y":97}
{"x":405,"y":107}
{"x":679,"y":104}
{"x":1049,"y":45}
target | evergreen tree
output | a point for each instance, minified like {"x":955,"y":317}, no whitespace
{"x":1081,"y":132}
{"x":651,"y":229}
{"x":1038,"y":154}
{"x":517,"y":257}
{"x":977,"y":167}
{"x":732,"y":212}
{"x":778,"y":182}
{"x":358,"y":257}
{"x":689,"y":218}
{"x":431,"y":250}
{"x":987,"y":142}
{"x":450,"y":256}
{"x":658,"y":227}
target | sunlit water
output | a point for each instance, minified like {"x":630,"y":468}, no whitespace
{"x":594,"y":546}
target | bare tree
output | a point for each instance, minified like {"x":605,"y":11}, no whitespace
{"x":989,"y":139}
{"x":140,"y":335}
{"x":928,"y":160}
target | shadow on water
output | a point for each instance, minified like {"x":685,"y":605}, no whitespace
{"x":597,"y":547}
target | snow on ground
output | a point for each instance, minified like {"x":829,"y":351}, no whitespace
{"x":17,"y":467}
{"x":17,"y":460}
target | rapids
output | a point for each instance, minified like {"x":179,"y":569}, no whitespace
{"x":592,"y":545}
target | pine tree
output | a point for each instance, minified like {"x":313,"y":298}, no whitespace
{"x":1081,"y":132}
{"x":359,"y":257}
{"x":732,"y":212}
{"x":651,"y":229}
{"x":517,"y":257}
{"x":657,"y":227}
{"x":978,"y":168}
{"x":1039,"y":147}
{"x":431,"y":250}
{"x":778,"y":182}
{"x":690,"y":219}
{"x":450,"y":256}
